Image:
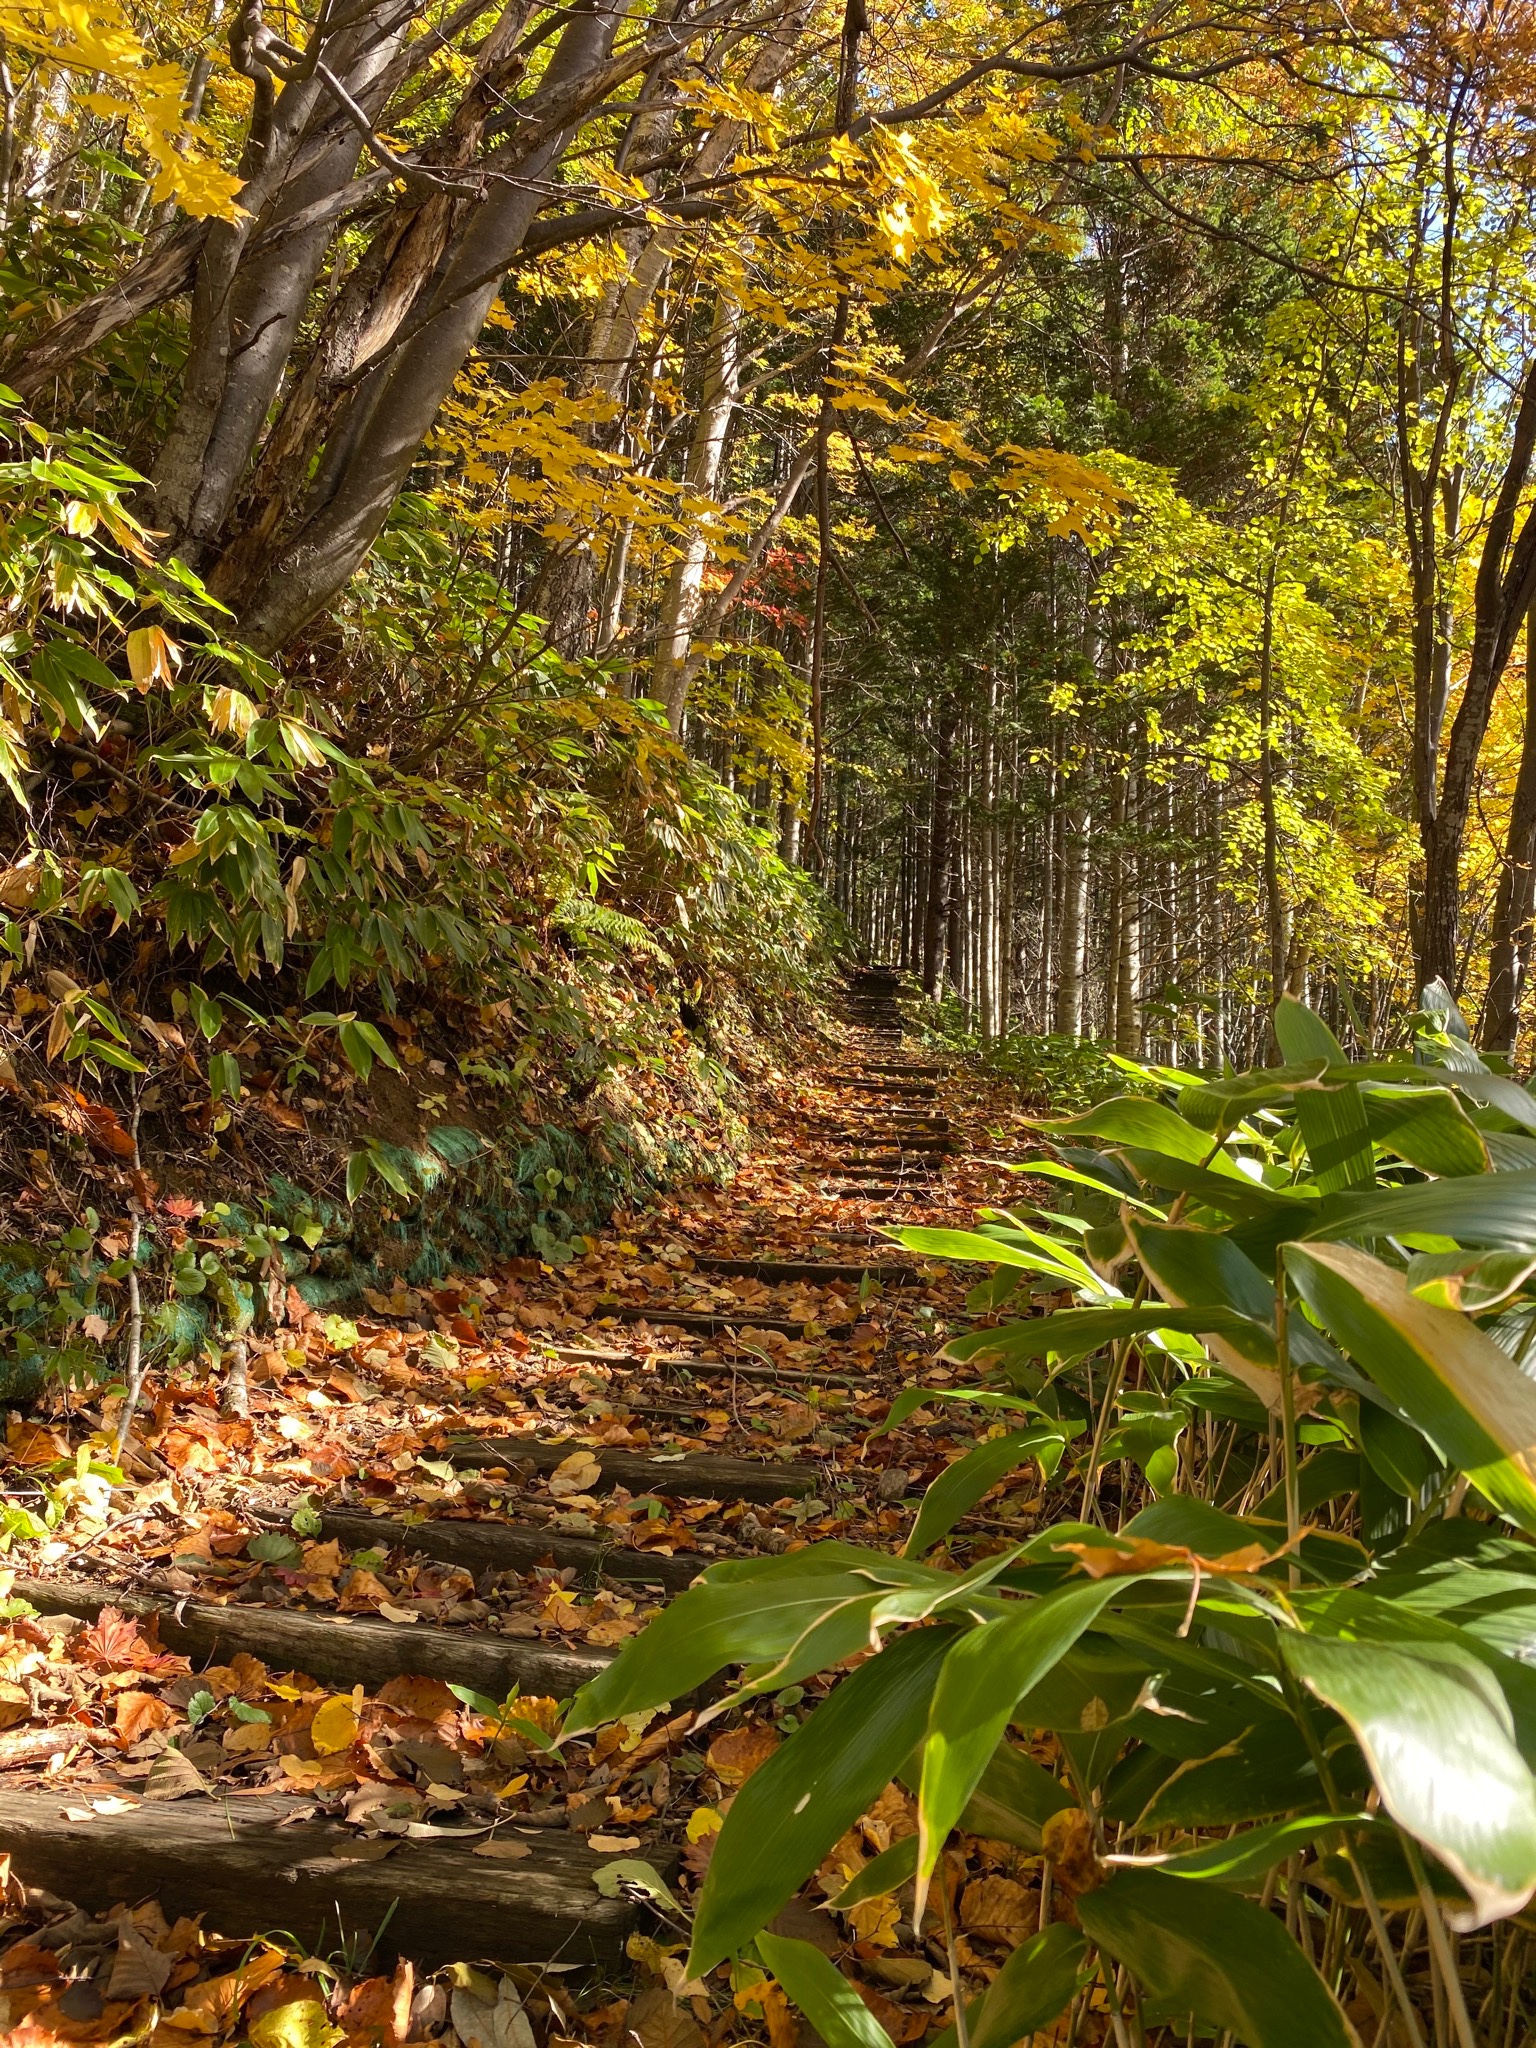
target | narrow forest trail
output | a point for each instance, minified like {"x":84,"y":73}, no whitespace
{"x":270,"y":1692}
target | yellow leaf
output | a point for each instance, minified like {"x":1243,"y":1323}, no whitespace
{"x":334,"y":1726}
{"x":704,"y":1820}
{"x":153,"y":656}
{"x":874,"y":1920}
{"x":302,"y":2023}
{"x":231,"y":711}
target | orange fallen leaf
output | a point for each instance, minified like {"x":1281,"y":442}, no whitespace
{"x":735,"y":1755}
{"x":1108,"y":1561}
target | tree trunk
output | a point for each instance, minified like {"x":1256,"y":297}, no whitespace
{"x":1510,"y":947}
{"x":1072,"y":941}
{"x":706,"y":458}
{"x":373,"y":446}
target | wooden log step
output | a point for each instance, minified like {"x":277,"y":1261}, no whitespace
{"x":885,"y":1084}
{"x":676,"y":1475}
{"x":704,"y":1368}
{"x":231,"y":1862}
{"x":507,"y":1547}
{"x":899,"y":1143}
{"x":710,"y":1324}
{"x":883,"y":1169}
{"x":775,"y":1270}
{"x":914,"y":1069}
{"x":341,"y":1649}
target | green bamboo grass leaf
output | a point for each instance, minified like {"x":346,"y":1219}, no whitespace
{"x":1200,"y":1269}
{"x":1225,"y":1104}
{"x":888,"y":1872}
{"x":1332,"y":1119}
{"x":983,"y":1679}
{"x":1302,"y":1036}
{"x":753,"y":1618}
{"x":1245,"y":1858}
{"x":1496,"y":1210}
{"x":1498,"y":1092}
{"x":1473,"y":1403}
{"x":822,"y":1993}
{"x":1055,"y":1169}
{"x":1472,"y":1281}
{"x":1326,"y":1475}
{"x":1232,"y":1195}
{"x":790,"y":1811}
{"x":1438,"y":1735}
{"x":1071,"y":1333}
{"x":910,"y":1399}
{"x":1337,"y":1135}
{"x":1150,"y":1126}
{"x":957,"y":1489}
{"x":967,"y":1245}
{"x":1428,"y":1127}
{"x":1031,"y":1989}
{"x":1397,"y":1453}
{"x":1202,"y":1952}
{"x":1013,"y":1800}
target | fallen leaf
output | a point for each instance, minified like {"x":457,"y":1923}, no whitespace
{"x":703,"y":1821}
{"x":874,"y":1920}
{"x":502,"y":1852}
{"x":301,"y":2023}
{"x":174,"y":1776}
{"x":428,"y":1699}
{"x":1107,"y":1561}
{"x":365,"y":1594}
{"x":378,"y":2011}
{"x":735,"y":1755}
{"x":334,"y":1727}
{"x":138,"y":1970}
{"x":578,"y":1473}
{"x":997,"y":1909}
{"x":139,"y":1714}
{"x":1067,"y":1840}
{"x":656,"y":2020}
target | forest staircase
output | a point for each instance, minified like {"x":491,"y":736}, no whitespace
{"x":253,"y":1863}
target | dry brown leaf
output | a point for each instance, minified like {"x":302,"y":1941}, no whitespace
{"x":174,"y":1776}
{"x":997,"y":1909}
{"x":893,"y":1815}
{"x":656,"y":2020}
{"x":1067,"y":1840}
{"x":735,"y":1755}
{"x":138,"y":1970}
{"x":364,"y":1594}
{"x":427,"y":1699}
{"x":578,"y":1473}
{"x":1109,"y":1561}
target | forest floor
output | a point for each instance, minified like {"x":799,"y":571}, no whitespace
{"x":263,"y":1777}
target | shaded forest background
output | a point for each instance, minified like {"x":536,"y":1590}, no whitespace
{"x":547,"y":509}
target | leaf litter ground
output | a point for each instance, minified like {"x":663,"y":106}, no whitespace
{"x":363,"y":1417}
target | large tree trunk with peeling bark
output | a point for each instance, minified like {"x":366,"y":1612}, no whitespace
{"x":375,"y":440}
{"x":706,"y":458}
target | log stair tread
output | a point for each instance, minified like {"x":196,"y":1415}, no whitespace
{"x":250,"y":1866}
{"x":343,"y":1650}
{"x":690,"y":1475}
{"x":497,"y":1546}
